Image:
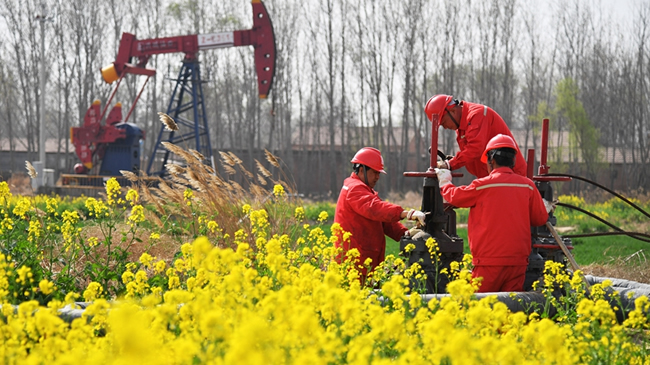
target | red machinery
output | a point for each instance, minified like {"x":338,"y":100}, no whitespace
{"x":93,"y":140}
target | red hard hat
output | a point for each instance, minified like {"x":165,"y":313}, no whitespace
{"x":436,"y":107}
{"x":370,"y":157}
{"x":498,"y":141}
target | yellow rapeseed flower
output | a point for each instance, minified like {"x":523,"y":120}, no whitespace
{"x":278,"y":190}
{"x":96,"y":208}
{"x":113,"y":191}
{"x":51,"y":206}
{"x":137,"y":215}
{"x":5,"y":193}
{"x":160,"y":267}
{"x":34,"y":230}
{"x":299,"y":213}
{"x":23,"y":206}
{"x":213,"y":227}
{"x":322,"y":216}
{"x":127,"y":277}
{"x":146,"y":260}
{"x":93,"y":291}
{"x":132,"y":196}
{"x":93,"y":241}
{"x":246,"y":208}
{"x":188,"y":195}
{"x":46,"y":286}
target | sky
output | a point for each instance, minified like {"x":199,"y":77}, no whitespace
{"x":619,"y":14}
{"x":622,"y":9}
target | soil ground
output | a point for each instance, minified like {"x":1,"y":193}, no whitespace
{"x":639,"y":273}
{"x":20,"y":184}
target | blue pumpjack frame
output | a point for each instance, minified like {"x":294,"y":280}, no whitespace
{"x":187,"y":97}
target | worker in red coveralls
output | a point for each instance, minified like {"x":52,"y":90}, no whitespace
{"x":475,"y":125}
{"x":362,"y":213}
{"x":503,"y":207}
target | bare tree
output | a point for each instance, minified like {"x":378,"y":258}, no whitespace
{"x":285,"y":28}
{"x":410,"y":14}
{"x":66,"y":115}
{"x":20,"y":19}
{"x":450,"y":24}
{"x":639,"y":130}
{"x":509,"y":43}
{"x":8,"y":112}
{"x":574,"y":21}
{"x":488,"y":41}
{"x":536,"y":71}
{"x":348,"y":74}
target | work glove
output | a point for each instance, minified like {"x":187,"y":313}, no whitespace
{"x":413,"y":215}
{"x":419,"y":235}
{"x":550,"y":206}
{"x":444,"y":177}
{"x":413,"y":231}
{"x":444,"y":164}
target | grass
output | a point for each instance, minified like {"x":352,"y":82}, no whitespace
{"x":613,"y":256}
{"x":609,"y":250}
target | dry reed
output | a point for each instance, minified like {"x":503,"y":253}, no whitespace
{"x":262,"y":169}
{"x":213,"y":194}
{"x":225,"y":157}
{"x":168,"y":121}
{"x":235,"y":158}
{"x":31,"y":171}
{"x":261,"y":180}
{"x":132,"y":177}
{"x":272,"y":159}
{"x":198,"y":155}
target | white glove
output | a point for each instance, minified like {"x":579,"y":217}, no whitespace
{"x":444,"y":177}
{"x":413,"y":231}
{"x":443,"y":164}
{"x":550,"y":206}
{"x":419,"y":235}
{"x":416,"y":215}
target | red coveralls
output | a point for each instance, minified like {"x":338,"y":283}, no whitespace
{"x":361,"y":212}
{"x":478,"y":124}
{"x":503,"y":207}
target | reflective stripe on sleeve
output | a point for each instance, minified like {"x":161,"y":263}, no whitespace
{"x":484,"y":110}
{"x":504,"y":185}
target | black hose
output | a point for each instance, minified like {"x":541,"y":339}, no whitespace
{"x":620,"y":231}
{"x":635,"y":235}
{"x":604,"y":188}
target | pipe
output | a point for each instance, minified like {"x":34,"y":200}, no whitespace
{"x":530,"y":166}
{"x":620,"y":295}
{"x":543,"y":167}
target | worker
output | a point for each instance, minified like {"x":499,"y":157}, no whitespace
{"x":503,"y":207}
{"x":362,"y":213}
{"x":475,"y":125}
